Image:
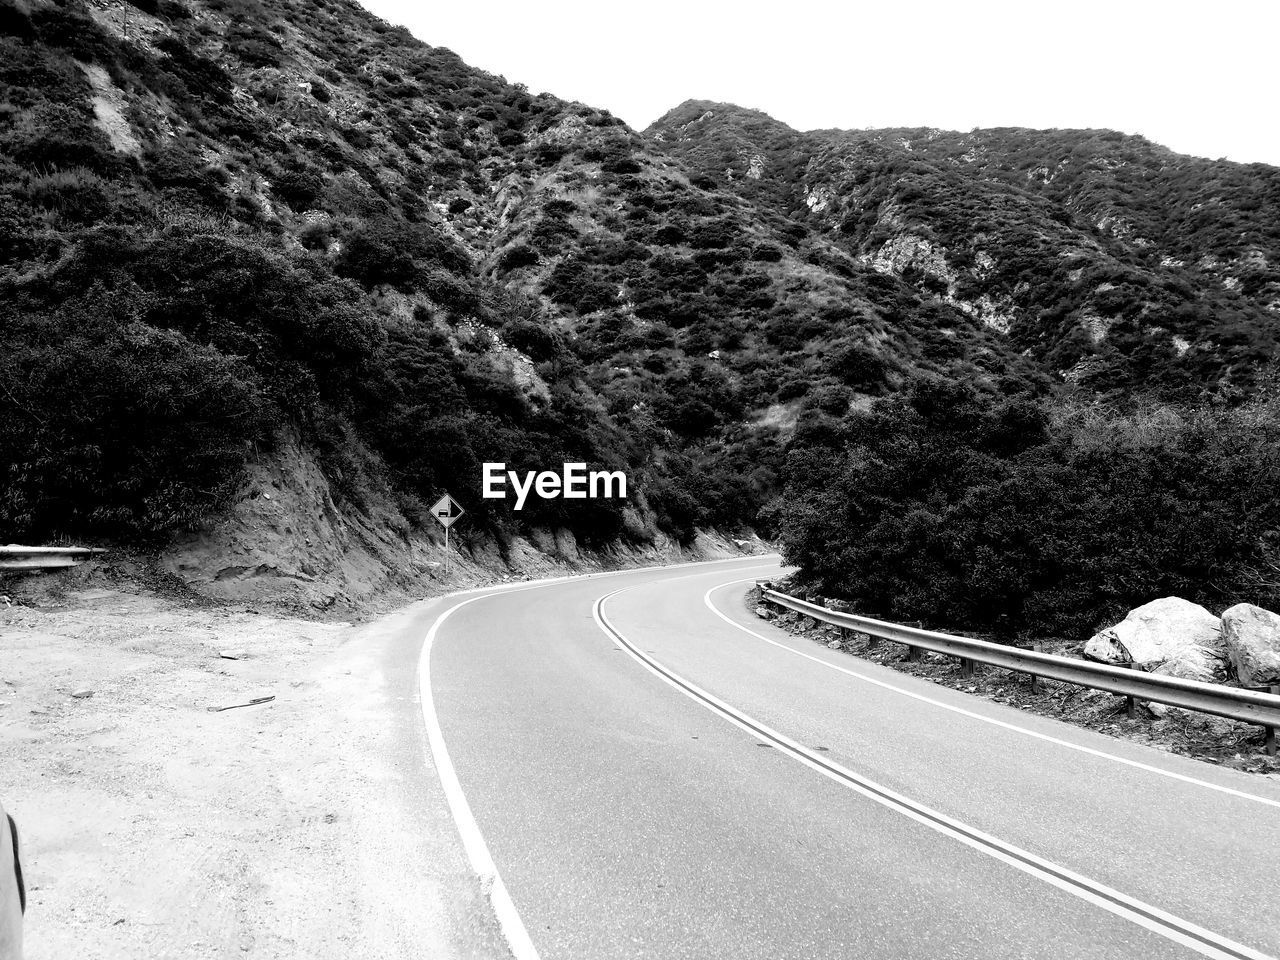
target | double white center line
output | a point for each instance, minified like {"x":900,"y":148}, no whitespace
{"x":1197,"y":938}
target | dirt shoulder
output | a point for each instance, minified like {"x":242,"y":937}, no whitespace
{"x":307,"y":826}
{"x":1206,"y":738}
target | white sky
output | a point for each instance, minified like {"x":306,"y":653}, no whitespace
{"x":1202,"y":78}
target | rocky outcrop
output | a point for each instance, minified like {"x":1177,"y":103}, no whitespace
{"x":909,"y":250}
{"x":1170,"y":636}
{"x":1252,"y":639}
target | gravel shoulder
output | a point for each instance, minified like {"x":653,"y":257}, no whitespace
{"x":311,"y":825}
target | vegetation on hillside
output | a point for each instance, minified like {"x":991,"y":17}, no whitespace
{"x":1022,"y":518}
{"x":1119,"y":265}
{"x":262,"y":217}
{"x":224,"y":223}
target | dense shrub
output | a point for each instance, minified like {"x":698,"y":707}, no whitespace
{"x":535,"y":339}
{"x":300,"y":189}
{"x":80,"y":196}
{"x":516,"y":256}
{"x":574,"y":284}
{"x":675,"y":507}
{"x":201,"y":78}
{"x":305,"y":333}
{"x":397,"y":253}
{"x":59,"y":136}
{"x":858,"y":366}
{"x":1001,"y":515}
{"x":71,"y":28}
{"x":114,"y":428}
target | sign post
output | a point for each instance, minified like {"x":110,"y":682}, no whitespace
{"x":447,"y":511}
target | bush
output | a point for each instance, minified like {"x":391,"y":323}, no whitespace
{"x":71,"y":28}
{"x":995,"y":514}
{"x":174,"y":167}
{"x":675,"y":508}
{"x":202,"y":78}
{"x":397,"y":253}
{"x":60,"y":137}
{"x":516,"y":256}
{"x":300,"y":189}
{"x":535,"y":340}
{"x":573,"y":284}
{"x":858,"y":366}
{"x":621,"y":165}
{"x":115,"y":428}
{"x":359,"y":138}
{"x":80,"y":196}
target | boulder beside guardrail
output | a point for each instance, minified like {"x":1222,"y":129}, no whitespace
{"x":1234,"y":703}
{"x":19,"y":559}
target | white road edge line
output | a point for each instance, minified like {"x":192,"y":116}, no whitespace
{"x":1173,"y":928}
{"x":504,"y":908}
{"x":478,"y":855}
{"x":1091,"y":751}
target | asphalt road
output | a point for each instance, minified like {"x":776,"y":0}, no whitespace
{"x":652,"y":780}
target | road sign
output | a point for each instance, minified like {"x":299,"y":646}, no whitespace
{"x":447,"y":511}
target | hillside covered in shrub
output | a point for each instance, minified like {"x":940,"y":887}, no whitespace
{"x":1117,"y":264}
{"x":231,"y":225}
{"x":223,"y":219}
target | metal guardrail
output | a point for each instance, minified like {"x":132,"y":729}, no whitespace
{"x":25,"y":559}
{"x":1248,"y":706}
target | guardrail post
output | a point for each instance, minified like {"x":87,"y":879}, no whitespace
{"x":914,"y":654}
{"x":966,"y":667}
{"x":1037,"y":685}
{"x":1130,"y":705}
{"x":1269,"y":740}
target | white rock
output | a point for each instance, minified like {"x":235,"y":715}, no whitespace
{"x":1170,"y":636}
{"x":1252,"y":638}
{"x":232,"y":654}
{"x":82,"y":694}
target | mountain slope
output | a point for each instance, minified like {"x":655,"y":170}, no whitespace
{"x":1116,"y":263}
{"x":298,"y":217}
{"x":255,"y":245}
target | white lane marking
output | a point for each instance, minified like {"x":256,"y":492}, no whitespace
{"x":1197,"y":938}
{"x":504,"y":908}
{"x":473,"y":842}
{"x":1091,"y":751}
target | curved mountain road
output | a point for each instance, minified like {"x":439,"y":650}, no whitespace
{"x":654,"y":772}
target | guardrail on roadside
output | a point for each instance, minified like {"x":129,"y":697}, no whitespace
{"x":1235,"y":703}
{"x":18,"y":559}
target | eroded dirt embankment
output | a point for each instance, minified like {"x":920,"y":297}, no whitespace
{"x":288,"y":542}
